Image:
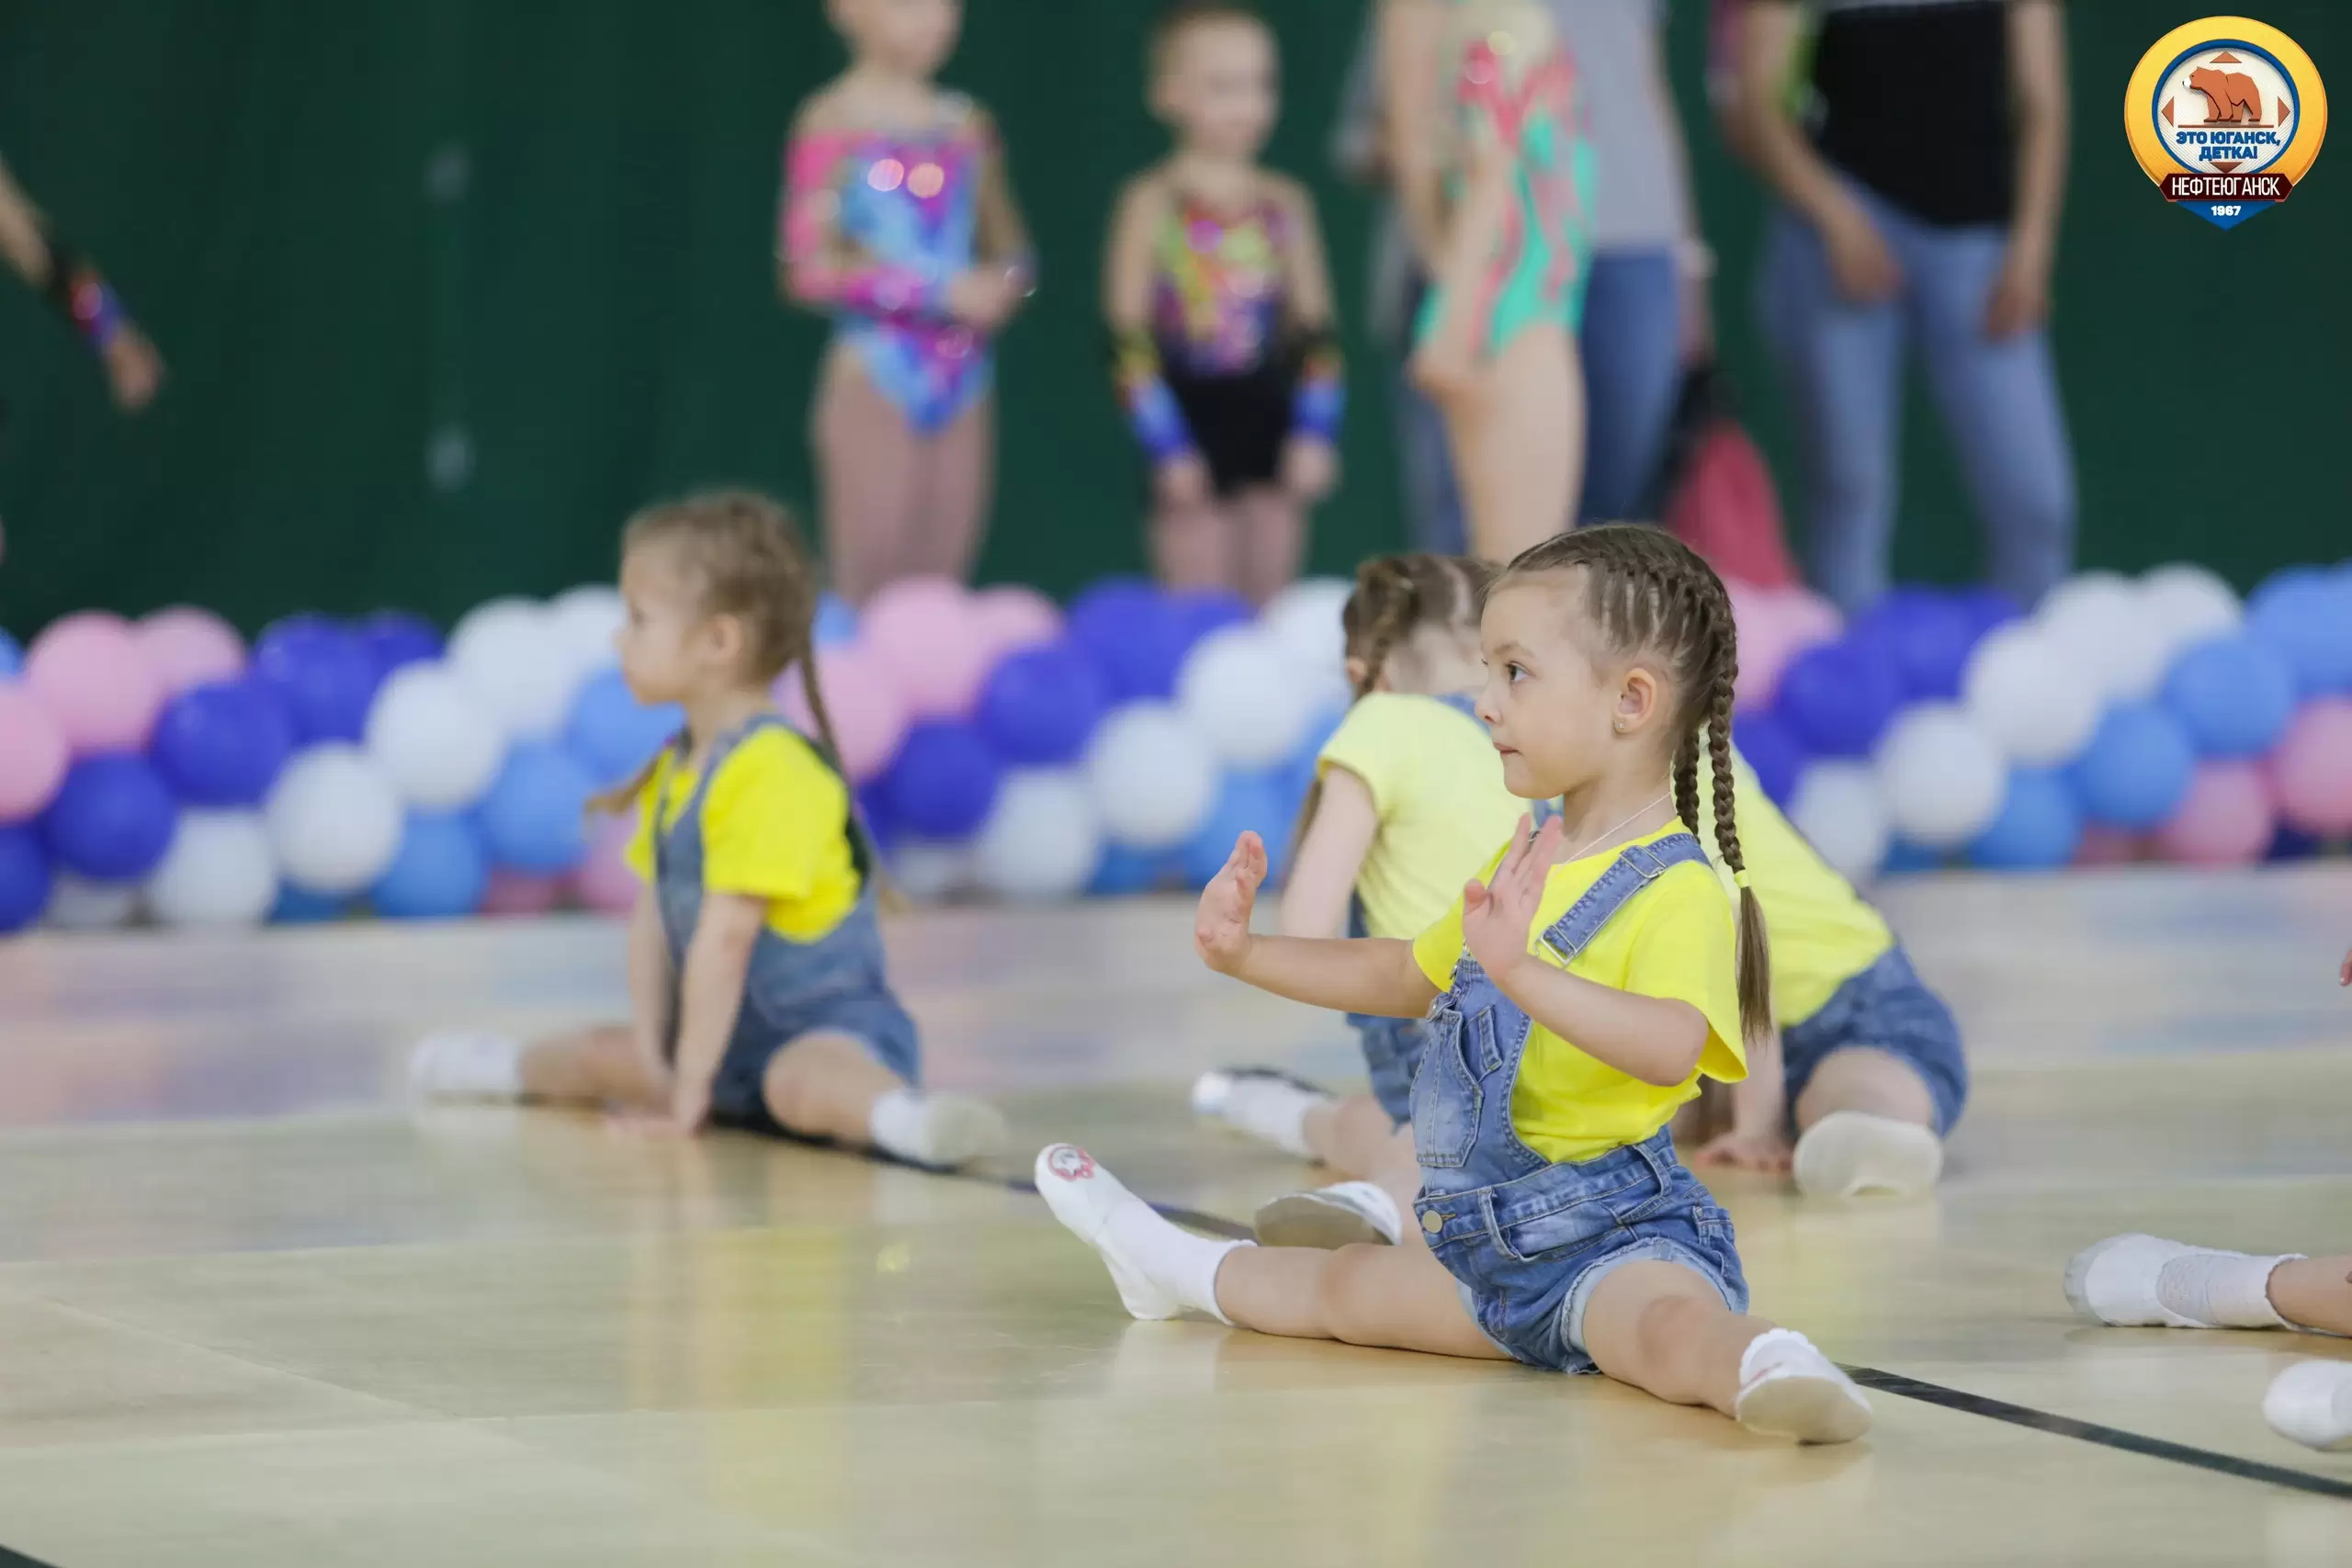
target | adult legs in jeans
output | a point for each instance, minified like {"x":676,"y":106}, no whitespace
{"x":1433,"y":499}
{"x":1632,"y":341}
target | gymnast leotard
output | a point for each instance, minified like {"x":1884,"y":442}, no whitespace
{"x":1221,"y":371}
{"x":876,"y":226}
{"x":1526,"y":101}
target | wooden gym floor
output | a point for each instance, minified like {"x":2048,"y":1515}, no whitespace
{"x":256,"y":1310}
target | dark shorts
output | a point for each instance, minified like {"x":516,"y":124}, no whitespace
{"x":1239,"y":423}
{"x":1886,"y":1007}
{"x":873,"y":1018}
{"x":1392,"y":1054}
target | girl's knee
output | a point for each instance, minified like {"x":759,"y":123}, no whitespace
{"x":1348,"y":1294}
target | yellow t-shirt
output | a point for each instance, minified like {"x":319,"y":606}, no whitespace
{"x":1438,"y":786}
{"x":775,"y":826}
{"x":1674,"y":940}
{"x":1823,"y":932}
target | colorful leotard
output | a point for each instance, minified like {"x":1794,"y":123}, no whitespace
{"x":876,"y":226}
{"x":1527,"y":102}
{"x":1221,"y":371}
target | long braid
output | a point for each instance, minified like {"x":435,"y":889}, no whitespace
{"x":1755,"y":943}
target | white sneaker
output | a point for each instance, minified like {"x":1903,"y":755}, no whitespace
{"x":1346,"y":1215}
{"x":1084,"y":1197}
{"x":1848,"y":1153}
{"x":1787,"y":1389}
{"x":2310,"y":1401}
{"x":467,"y":1064}
{"x":951,"y":1131}
{"x":1263,"y":1102}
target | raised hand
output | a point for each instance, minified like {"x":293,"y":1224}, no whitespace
{"x":1221,"y":928}
{"x":1496,"y":914}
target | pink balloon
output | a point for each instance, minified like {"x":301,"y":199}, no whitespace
{"x":512,"y":894}
{"x":33,"y":754}
{"x":1775,"y":626}
{"x":1813,"y":618}
{"x":2227,"y":818}
{"x":869,"y":717}
{"x":2109,"y":846}
{"x":187,"y":646}
{"x":2312,"y":768}
{"x":604,"y":882}
{"x":924,"y":633}
{"x":89,"y":672}
{"x":1013,"y":617}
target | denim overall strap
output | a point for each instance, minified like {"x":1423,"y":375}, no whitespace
{"x":1636,"y":867}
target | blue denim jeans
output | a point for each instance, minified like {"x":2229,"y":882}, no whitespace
{"x":1843,"y":364}
{"x":1889,"y":1007}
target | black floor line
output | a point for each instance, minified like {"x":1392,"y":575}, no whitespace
{"x":2092,"y":1432}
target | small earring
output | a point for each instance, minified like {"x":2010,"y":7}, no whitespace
{"x":1620,"y":727}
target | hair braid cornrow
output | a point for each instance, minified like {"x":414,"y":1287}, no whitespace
{"x":1755,"y":943}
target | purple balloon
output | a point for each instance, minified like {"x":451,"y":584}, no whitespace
{"x":324,"y":673}
{"x":394,"y":637}
{"x":112,"y":819}
{"x":1839,"y":697}
{"x":223,"y":743}
{"x":1772,"y":749}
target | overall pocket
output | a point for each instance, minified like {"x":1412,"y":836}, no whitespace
{"x":1445,"y":1096}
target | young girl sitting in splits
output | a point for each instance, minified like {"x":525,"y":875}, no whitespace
{"x":1497,"y":200}
{"x":899,"y":220}
{"x":1581,"y":988}
{"x":1220,"y":305}
{"x":755,"y":966}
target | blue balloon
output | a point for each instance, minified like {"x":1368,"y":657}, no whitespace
{"x":1987,"y":608}
{"x":439,"y":874}
{"x":12,"y":655}
{"x":612,"y":733}
{"x":535,"y":817}
{"x":2136,"y":769}
{"x":2234,"y":695}
{"x":1838,"y":698}
{"x":2039,"y":825}
{"x":2306,"y":614}
{"x":298,"y":907}
{"x":1041,"y":704}
{"x":1905,"y":858}
{"x":324,"y":674}
{"x":1200,"y":611}
{"x":1928,"y":634}
{"x":836,"y":622}
{"x":1134,"y":633}
{"x":24,"y":877}
{"x":1124,"y":870}
{"x":944,"y":781}
{"x":223,"y":743}
{"x":1771,"y":749}
{"x":1251,"y":801}
{"x":112,"y":819}
{"x":395,"y":638}
{"x":874,"y":810}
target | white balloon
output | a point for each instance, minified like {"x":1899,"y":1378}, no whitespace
{"x":1240,"y":690}
{"x":1305,"y":618}
{"x":1839,"y":809}
{"x":1041,"y":840}
{"x":586,"y":619}
{"x":1941,"y":777}
{"x":334,"y":820}
{"x":435,"y":739}
{"x":78,"y":904}
{"x":1152,"y":775}
{"x":2037,"y":705}
{"x":929,"y":872}
{"x":2189,"y":605}
{"x":219,"y":872}
{"x":515,"y":662}
{"x":2099,"y":622}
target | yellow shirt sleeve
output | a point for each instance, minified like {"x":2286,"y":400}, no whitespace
{"x":1438,"y":948}
{"x":774,"y":822}
{"x":1376,"y":741}
{"x":1686,"y":951}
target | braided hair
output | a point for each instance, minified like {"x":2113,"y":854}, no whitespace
{"x":1647,"y":593}
{"x":1394,"y":597}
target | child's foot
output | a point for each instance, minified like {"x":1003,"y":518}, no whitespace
{"x":947,"y":1130}
{"x":1160,"y":1268}
{"x":2312,"y":1403}
{"x":1787,"y":1389}
{"x":2144,"y":1281}
{"x":1331,"y":1217}
{"x":1268,"y":1105}
{"x":1848,"y":1153}
{"x":465,"y":1064}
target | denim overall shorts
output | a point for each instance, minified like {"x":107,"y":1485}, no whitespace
{"x":834,"y":984}
{"x":1527,"y":1239}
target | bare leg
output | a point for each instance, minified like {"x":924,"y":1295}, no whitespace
{"x":869,"y":473}
{"x":595,"y":1067}
{"x":959,"y":482}
{"x":825,"y":1086}
{"x":1518,"y":436}
{"x":1864,"y":1078}
{"x":1349,"y":1134}
{"x":2314,"y":1292}
{"x":1271,"y":542}
{"x":1400,"y":1298}
{"x":1663,"y":1328}
{"x":1192,"y":547}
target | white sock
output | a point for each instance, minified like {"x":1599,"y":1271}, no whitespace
{"x":944,"y":1130}
{"x":899,"y":1123}
{"x":1274,"y":1111}
{"x":2226,"y":1290}
{"x":1186,"y":1263}
{"x":458,"y":1063}
{"x":2312,"y":1403}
